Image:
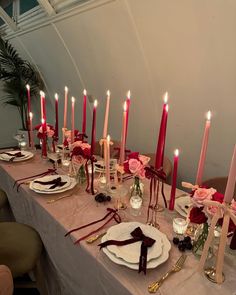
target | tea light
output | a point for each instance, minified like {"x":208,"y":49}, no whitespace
{"x":136,"y":203}
{"x":180,"y":225}
{"x":66,"y":163}
{"x":22,"y":145}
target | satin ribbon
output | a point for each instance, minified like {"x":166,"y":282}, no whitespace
{"x":137,"y":235}
{"x":113,"y":215}
{"x":55,"y":182}
{"x":22,"y":180}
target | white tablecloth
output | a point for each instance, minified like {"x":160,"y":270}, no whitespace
{"x":84,"y":269}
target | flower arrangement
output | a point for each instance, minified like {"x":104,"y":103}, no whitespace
{"x":50,"y":132}
{"x":77,"y":137}
{"x":136,"y":164}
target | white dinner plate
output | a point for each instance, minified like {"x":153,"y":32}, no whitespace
{"x":151,"y":264}
{"x":46,"y":188}
{"x":7,"y":158}
{"x":72,"y":185}
{"x":131,"y":253}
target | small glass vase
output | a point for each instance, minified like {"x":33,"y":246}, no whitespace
{"x":81,"y":175}
{"x":136,"y":196}
{"x":200,"y":237}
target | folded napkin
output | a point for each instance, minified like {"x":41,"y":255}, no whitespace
{"x":13,"y":155}
{"x":55,"y":182}
{"x":137,"y":235}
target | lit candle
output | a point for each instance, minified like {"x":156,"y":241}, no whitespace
{"x":65,"y":107}
{"x":44,"y":140}
{"x":72,"y":119}
{"x":56,"y":116}
{"x":174,"y":180}
{"x":93,"y":136}
{"x":179,"y":225}
{"x":123,"y":135}
{"x":42,"y":100}
{"x":229,"y":191}
{"x":127,"y":114}
{"x":162,"y":134}
{"x":106,"y":115}
{"x":107,"y":164}
{"x":84,"y":112}
{"x":203,"y":150}
{"x":31,"y":130}
{"x":28,"y":97}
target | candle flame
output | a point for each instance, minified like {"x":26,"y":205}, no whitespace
{"x":166,"y":97}
{"x":108,"y":93}
{"x":42,"y":120}
{"x":85,"y":92}
{"x":95,"y":103}
{"x":28,"y":87}
{"x":209,"y":115}
{"x":30,"y":115}
{"x":42,"y":93}
{"x":125,"y":106}
{"x":128,"y":94}
{"x":108,"y":138}
{"x":56,"y":96}
{"x":176,"y":152}
{"x":66,"y":89}
{"x":72,"y":99}
{"x":167,"y":108}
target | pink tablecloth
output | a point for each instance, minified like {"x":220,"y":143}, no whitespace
{"x":83,"y":269}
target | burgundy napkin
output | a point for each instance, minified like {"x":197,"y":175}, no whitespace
{"x":55,"y":182}
{"x":137,"y":235}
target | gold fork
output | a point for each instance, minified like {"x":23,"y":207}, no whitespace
{"x":92,"y":239}
{"x":57,"y":199}
{"x":152,"y":288}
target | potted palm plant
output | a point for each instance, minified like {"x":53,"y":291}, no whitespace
{"x":15,"y":74}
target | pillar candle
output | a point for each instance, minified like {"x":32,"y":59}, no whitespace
{"x":106,"y":115}
{"x":84,"y":112}
{"x":56,"y":115}
{"x":123,"y":135}
{"x":202,"y":159}
{"x":31,"y":130}
{"x":174,"y":180}
{"x":127,"y":113}
{"x":93,"y":135}
{"x":65,"y":107}
{"x":162,"y":134}
{"x":108,"y":160}
{"x":72,"y":119}
{"x":229,"y":191}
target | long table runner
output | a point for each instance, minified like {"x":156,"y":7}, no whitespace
{"x":84,"y":269}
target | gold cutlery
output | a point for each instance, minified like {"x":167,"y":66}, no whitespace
{"x":92,"y":239}
{"x":152,"y":288}
{"x":57,"y":199}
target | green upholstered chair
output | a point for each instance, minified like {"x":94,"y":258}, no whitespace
{"x":3,"y":199}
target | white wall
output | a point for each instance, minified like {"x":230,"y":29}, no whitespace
{"x":186,"y":47}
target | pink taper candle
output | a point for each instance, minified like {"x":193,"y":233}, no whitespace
{"x":42,"y":101}
{"x":106,"y":115}
{"x":93,"y":136}
{"x":127,"y":113}
{"x":84,"y":112}
{"x":31,"y":130}
{"x":162,"y":134}
{"x":123,"y":135}
{"x":65,"y":107}
{"x":174,"y":180}
{"x":72,"y":119}
{"x":202,"y":159}
{"x":230,"y":187}
{"x":56,"y":115}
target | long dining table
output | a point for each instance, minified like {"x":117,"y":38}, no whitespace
{"x":83,"y":269}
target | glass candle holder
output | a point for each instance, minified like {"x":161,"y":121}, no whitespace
{"x":136,"y":204}
{"x":179,"y":225}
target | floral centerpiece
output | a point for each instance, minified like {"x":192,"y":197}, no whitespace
{"x":135,"y":166}
{"x":50,"y":133}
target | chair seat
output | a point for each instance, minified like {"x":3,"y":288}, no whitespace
{"x":3,"y":199}
{"x":20,"y":247}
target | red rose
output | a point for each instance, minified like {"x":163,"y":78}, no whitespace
{"x":197,"y":215}
{"x":133,"y":155}
{"x":126,"y":167}
{"x":218,"y":197}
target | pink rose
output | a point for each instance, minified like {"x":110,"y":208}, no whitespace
{"x":134,"y":166}
{"x":50,"y":132}
{"x":75,"y":144}
{"x":233,"y":206}
{"x":144,"y":159}
{"x":142,"y":173}
{"x":202,"y":194}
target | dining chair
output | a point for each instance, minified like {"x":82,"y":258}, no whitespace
{"x":218,"y":183}
{"x":6,"y":281}
{"x":114,"y":152}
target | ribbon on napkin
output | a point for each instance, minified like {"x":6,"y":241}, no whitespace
{"x":137,"y":235}
{"x":113,"y":215}
{"x":22,"y":180}
{"x":56,"y":182}
{"x":13,"y":156}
